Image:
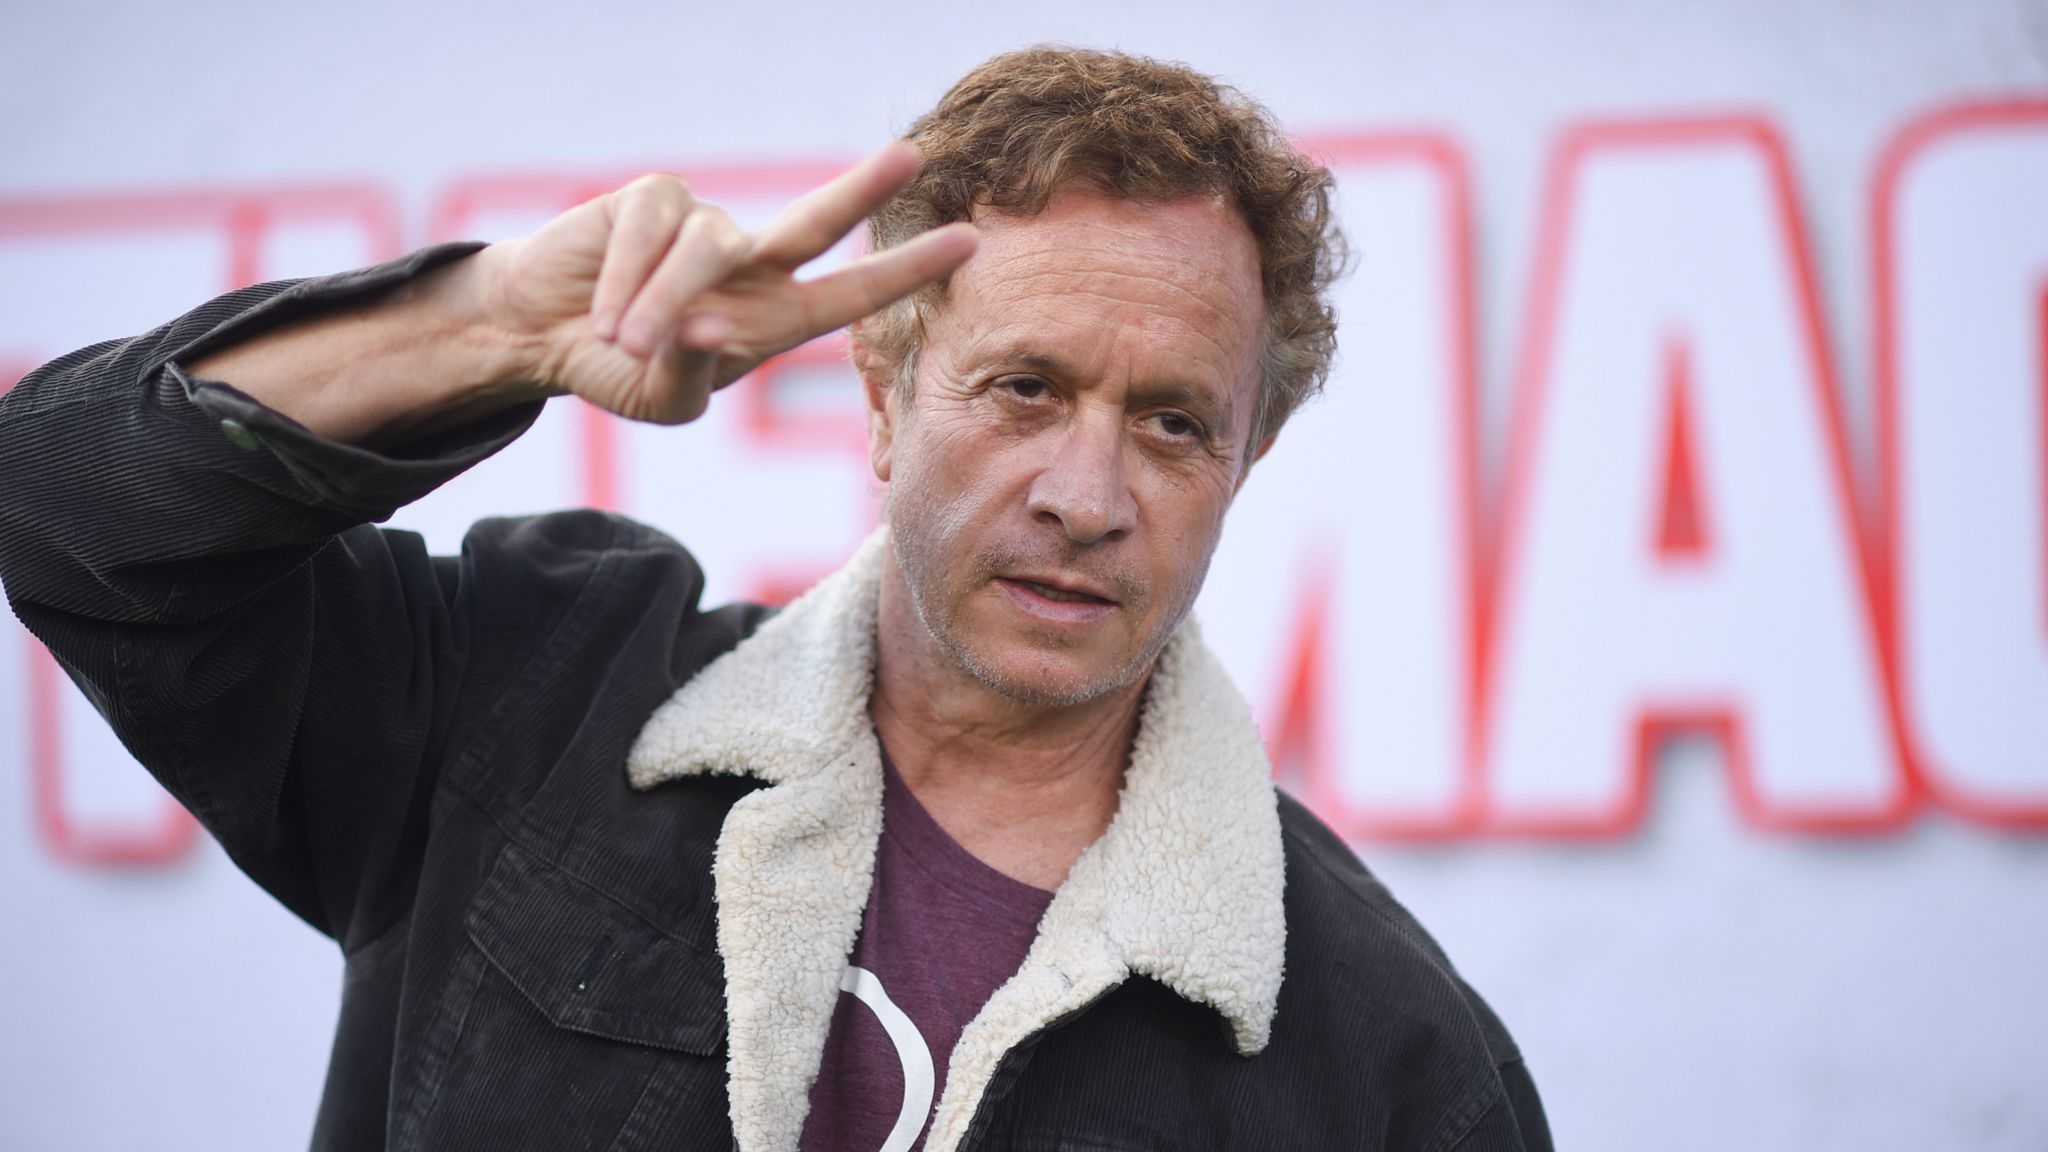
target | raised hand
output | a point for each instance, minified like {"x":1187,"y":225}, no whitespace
{"x":646,"y":300}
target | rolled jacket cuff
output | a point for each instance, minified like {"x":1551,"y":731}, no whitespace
{"x":358,"y":482}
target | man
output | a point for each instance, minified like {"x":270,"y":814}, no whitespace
{"x":973,"y":846}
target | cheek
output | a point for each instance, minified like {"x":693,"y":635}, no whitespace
{"x":1187,"y":522}
{"x":946,"y":482}
{"x":1190,"y":502}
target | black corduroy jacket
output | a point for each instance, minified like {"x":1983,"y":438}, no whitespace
{"x":595,"y":855}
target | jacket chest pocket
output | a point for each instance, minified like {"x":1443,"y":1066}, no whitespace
{"x":573,"y":1023}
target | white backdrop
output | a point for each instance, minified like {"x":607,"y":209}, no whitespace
{"x":1659,"y":598}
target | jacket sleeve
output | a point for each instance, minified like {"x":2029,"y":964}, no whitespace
{"x":204,"y":569}
{"x":1514,"y":1122}
{"x":1526,"y":1106}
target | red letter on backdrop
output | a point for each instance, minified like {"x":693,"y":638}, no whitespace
{"x":1679,"y":544}
{"x":1962,"y":307}
{"x":1344,"y":585}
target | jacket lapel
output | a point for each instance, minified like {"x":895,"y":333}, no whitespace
{"x":1185,"y":886}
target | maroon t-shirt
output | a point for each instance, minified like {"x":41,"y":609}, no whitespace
{"x":941,"y":933}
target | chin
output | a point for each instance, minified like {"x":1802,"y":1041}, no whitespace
{"x":1047,"y":679}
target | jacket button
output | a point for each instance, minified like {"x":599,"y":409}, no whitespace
{"x":239,"y":435}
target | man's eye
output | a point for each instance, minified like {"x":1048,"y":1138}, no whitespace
{"x":1177,"y":426}
{"x":1025,"y":387}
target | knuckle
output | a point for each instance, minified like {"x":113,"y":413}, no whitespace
{"x":710,"y":221}
{"x":654,"y":203}
{"x":696,"y":226}
{"x":663,"y":184}
{"x":711,"y":228}
{"x":734,"y":244}
{"x":645,"y":222}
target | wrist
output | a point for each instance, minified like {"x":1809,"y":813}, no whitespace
{"x":508,"y":362}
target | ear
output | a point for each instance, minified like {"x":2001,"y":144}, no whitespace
{"x":877,"y":383}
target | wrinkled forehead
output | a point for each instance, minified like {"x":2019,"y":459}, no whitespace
{"x":1093,"y":278}
{"x":1192,"y":238}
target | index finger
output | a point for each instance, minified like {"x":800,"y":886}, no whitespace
{"x":816,"y":221}
{"x":872,"y":283}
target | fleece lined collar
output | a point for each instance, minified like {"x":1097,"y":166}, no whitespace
{"x":1185,"y":887}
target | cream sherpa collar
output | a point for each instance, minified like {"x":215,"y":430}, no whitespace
{"x":1185,"y":887}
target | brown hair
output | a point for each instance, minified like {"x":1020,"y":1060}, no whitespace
{"x":1025,"y":124}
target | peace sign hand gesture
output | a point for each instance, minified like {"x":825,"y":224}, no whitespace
{"x":646,"y":300}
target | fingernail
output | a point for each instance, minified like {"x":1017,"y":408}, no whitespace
{"x":607,"y":324}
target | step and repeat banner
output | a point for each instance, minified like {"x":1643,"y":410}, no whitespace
{"x":1658,"y":598}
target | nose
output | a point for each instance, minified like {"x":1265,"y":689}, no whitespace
{"x":1081,"y":484}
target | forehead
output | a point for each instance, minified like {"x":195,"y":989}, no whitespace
{"x":1121,"y":285}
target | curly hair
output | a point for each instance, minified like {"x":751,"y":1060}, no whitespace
{"x":1024,"y":125}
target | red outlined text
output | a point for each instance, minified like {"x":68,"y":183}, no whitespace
{"x":2002,"y":316}
{"x":1685,"y":531}
{"x":1748,"y":143}
{"x":1300,"y":722}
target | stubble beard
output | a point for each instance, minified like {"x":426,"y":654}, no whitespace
{"x":923,"y":536}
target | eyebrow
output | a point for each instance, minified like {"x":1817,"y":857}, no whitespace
{"x":1045,"y":362}
{"x":1213,"y":411}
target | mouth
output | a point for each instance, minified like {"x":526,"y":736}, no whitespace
{"x":1060,"y":593}
{"x":1056,"y":605}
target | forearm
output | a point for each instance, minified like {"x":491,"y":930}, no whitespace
{"x":126,"y":485}
{"x":413,"y":361}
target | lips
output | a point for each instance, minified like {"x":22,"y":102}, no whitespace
{"x":1060,"y":604}
{"x":1062,"y":591}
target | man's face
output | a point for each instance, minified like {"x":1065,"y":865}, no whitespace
{"x":1078,"y":426}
